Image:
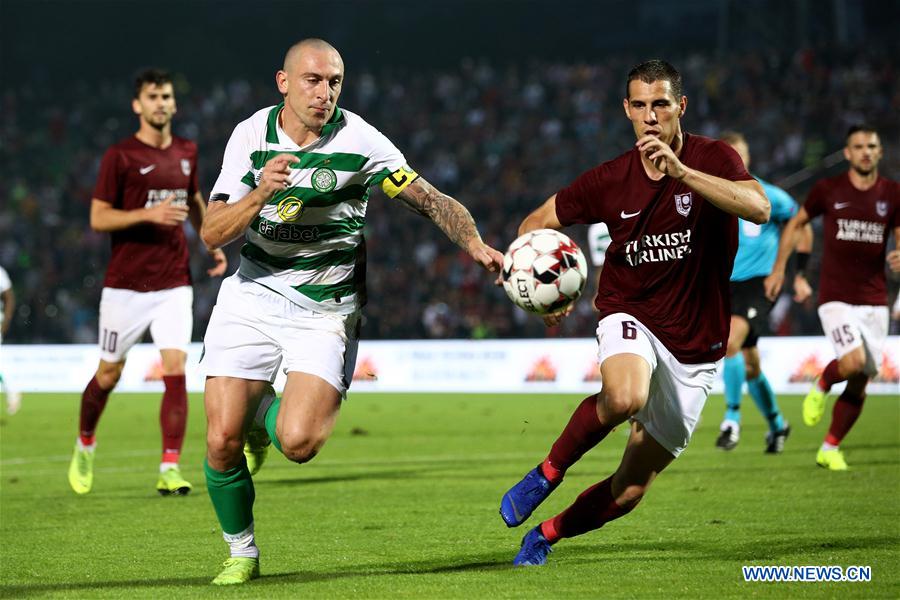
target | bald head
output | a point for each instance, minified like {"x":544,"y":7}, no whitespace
{"x":296,"y":51}
{"x":311,"y":83}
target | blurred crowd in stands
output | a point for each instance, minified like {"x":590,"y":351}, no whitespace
{"x":500,"y":138}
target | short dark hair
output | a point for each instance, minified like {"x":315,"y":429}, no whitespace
{"x":857,"y":127}
{"x":151,"y":77}
{"x":655,"y":70}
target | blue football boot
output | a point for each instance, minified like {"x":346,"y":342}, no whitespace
{"x":534,"y":550}
{"x":520,"y":501}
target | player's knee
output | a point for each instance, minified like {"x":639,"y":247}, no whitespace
{"x":623,"y":402}
{"x":733,"y":347}
{"x":631,"y":496}
{"x":853,"y":364}
{"x":300,"y":447}
{"x":107,"y":377}
{"x":223,"y":448}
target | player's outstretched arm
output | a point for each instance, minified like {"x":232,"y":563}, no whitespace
{"x":744,"y":199}
{"x":105,"y":218}
{"x":544,"y":217}
{"x":794,"y":231}
{"x":225,"y":222}
{"x":453,"y":219}
{"x":802,"y":289}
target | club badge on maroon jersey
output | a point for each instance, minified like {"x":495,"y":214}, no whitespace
{"x":683,"y":203}
{"x":881,"y":207}
{"x":186,"y":167}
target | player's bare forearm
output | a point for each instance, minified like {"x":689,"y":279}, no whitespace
{"x":447,"y":213}
{"x":105,"y":218}
{"x":805,"y":239}
{"x":794,"y":233}
{"x":797,"y":232}
{"x":544,"y":217}
{"x":744,"y":199}
{"x":224,"y":223}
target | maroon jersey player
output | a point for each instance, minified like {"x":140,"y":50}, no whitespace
{"x":146,"y":189}
{"x":671,"y":204}
{"x":859,"y":209}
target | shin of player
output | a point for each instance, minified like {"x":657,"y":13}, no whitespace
{"x":670,"y":206}
{"x":146,"y":189}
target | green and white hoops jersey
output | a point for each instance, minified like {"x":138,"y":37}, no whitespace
{"x":307,"y":243}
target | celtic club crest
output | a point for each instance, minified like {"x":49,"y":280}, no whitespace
{"x":323,"y":180}
{"x":683,"y":203}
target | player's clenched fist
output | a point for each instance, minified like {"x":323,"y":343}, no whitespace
{"x":167,"y":213}
{"x":661,"y":155}
{"x":276,"y":174}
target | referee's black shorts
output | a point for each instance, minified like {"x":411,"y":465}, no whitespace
{"x":748,"y":300}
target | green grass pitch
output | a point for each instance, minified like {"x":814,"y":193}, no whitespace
{"x":402,"y":503}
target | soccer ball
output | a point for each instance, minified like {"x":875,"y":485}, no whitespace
{"x":544,"y":271}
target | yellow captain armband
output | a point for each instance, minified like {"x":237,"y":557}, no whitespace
{"x":397,"y":181}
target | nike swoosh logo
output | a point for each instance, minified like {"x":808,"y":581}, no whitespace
{"x":840,"y":205}
{"x":515,"y":510}
{"x":147,"y":169}
{"x":626,"y":215}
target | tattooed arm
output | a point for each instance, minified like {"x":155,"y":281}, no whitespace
{"x":453,"y":219}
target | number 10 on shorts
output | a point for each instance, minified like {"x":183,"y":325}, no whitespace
{"x":109,"y":341}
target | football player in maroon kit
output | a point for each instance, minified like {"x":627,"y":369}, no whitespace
{"x":671,"y":204}
{"x":859,"y":208}
{"x":146,"y":188}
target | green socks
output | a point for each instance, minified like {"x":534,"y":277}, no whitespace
{"x":232,"y":495}
{"x":272,"y":420}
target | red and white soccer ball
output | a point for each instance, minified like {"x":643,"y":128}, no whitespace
{"x":544,"y":271}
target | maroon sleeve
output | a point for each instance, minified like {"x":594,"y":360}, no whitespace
{"x":108,"y":186}
{"x":574,"y":200}
{"x":815,"y":201}
{"x":725,"y":162}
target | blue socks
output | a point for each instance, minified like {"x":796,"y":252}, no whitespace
{"x":735,"y":375}
{"x":760,"y":390}
{"x":762,"y":394}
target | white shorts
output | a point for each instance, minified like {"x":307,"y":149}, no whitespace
{"x":252,"y":329}
{"x":851,"y":326}
{"x":677,"y":391}
{"x":125,"y":315}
